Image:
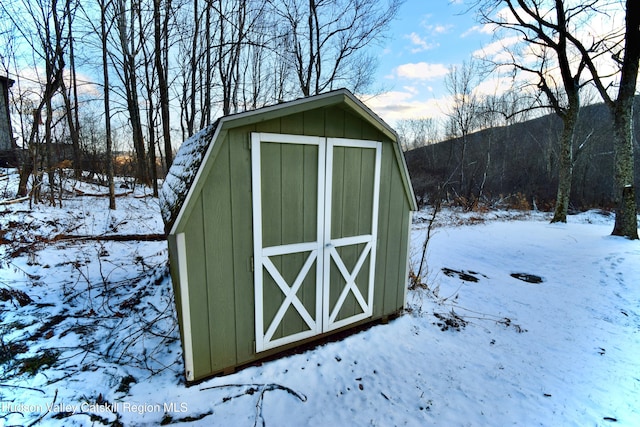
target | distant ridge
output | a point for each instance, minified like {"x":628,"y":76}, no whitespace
{"x":522,"y":159}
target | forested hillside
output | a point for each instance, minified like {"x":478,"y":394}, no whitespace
{"x":518,"y":164}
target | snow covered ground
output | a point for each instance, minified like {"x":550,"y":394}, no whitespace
{"x":88,"y":333}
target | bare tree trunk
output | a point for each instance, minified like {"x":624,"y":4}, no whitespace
{"x":565,"y":170}
{"x":130,"y":80}
{"x":72,"y":120}
{"x":626,"y":223}
{"x":29,"y":160}
{"x":151,"y":108}
{"x":193,"y":63}
{"x":163,"y":87}
{"x":47,"y":149}
{"x":152,"y":144}
{"x":626,"y":212}
{"x":53,"y":54}
{"x":206,"y":105}
{"x":107,"y":109}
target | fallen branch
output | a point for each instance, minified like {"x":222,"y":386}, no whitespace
{"x":25,"y":247}
{"x":84,"y":193}
{"x":260,"y":389}
{"x":23,"y":387}
{"x":153,"y":237}
{"x":12,"y":201}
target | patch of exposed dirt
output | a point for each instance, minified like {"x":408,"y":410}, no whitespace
{"x":467,"y":276}
{"x":450,"y":320}
{"x":526,"y":277}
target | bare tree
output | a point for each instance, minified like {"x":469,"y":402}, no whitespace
{"x":414,"y":133}
{"x":207,"y":71}
{"x":44,"y":34}
{"x":126,"y":17}
{"x":70,"y":95}
{"x":232,"y":33}
{"x":105,"y":25}
{"x":325,"y":40}
{"x":626,"y":219}
{"x":189,"y":52}
{"x":545,"y":27}
{"x":556,"y":26}
{"x":628,"y":59}
{"x":161,"y":27}
{"x":198,"y":56}
{"x":465,"y":110}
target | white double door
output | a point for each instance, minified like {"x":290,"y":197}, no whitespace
{"x":315,"y":220}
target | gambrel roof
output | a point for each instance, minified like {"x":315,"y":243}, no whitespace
{"x":193,"y":155}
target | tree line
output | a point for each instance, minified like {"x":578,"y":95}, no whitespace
{"x":166,"y":68}
{"x":156,"y":71}
{"x":517,"y":165}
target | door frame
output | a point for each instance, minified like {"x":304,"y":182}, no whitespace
{"x":321,"y":251}
{"x":261,"y":255}
{"x":329,"y":313}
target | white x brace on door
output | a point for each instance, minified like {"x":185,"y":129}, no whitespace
{"x":315,"y":218}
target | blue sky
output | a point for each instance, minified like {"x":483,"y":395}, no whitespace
{"x":428,"y":38}
{"x":431,"y":36}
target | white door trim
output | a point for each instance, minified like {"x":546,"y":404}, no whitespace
{"x":265,"y":341}
{"x":329,"y":313}
{"x":321,"y":251}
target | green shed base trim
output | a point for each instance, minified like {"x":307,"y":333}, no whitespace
{"x":186,"y":312}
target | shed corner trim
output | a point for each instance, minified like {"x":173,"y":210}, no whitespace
{"x":186,"y":310}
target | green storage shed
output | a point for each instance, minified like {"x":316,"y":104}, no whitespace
{"x":285,"y":224}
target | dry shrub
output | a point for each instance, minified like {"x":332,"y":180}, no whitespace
{"x":519,"y":202}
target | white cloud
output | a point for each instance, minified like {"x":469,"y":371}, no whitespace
{"x":419,"y":43}
{"x":434,"y":29}
{"x":479,"y":29}
{"x":421,"y":71}
{"x":497,"y":51}
{"x":32,"y":81}
{"x":495,"y":86}
{"x":441,"y":29}
{"x":406,"y":104}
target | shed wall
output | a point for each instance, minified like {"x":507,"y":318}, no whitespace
{"x":218,"y":235}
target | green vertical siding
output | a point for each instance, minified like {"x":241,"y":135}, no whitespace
{"x":219,"y":262}
{"x":392,"y":238}
{"x":351,"y":215}
{"x":294,"y":124}
{"x":240,"y":184}
{"x":289,"y":215}
{"x":333,"y":124}
{"x":198,"y":291}
{"x":219,"y":235}
{"x":354,"y":127}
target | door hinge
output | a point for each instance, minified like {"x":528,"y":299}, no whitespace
{"x":251,"y":264}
